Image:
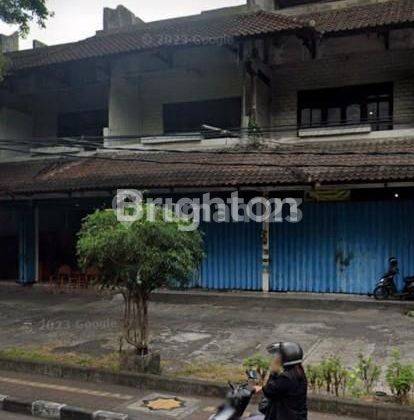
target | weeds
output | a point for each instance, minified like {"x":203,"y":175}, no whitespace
{"x":368,"y":372}
{"x":400,"y":378}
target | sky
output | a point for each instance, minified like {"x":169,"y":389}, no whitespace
{"x":78,"y":19}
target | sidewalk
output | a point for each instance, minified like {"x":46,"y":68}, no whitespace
{"x":113,"y":398}
{"x":215,"y":330}
{"x":318,"y":301}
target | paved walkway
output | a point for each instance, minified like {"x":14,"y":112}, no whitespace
{"x":105,"y":397}
{"x":201,"y":333}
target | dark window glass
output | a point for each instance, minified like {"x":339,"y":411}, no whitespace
{"x":334,"y":116}
{"x":353,"y":105}
{"x":291,"y":3}
{"x":316,"y":117}
{"x":306,"y":117}
{"x":353,"y":113}
{"x":190,"y":116}
{"x":86,"y":123}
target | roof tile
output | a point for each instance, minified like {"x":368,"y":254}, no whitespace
{"x":287,"y":165}
{"x":392,"y":12}
{"x":174,"y":32}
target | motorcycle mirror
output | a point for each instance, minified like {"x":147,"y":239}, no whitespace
{"x":231,"y":386}
{"x":252,"y":374}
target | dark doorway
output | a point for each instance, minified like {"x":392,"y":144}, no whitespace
{"x":9,"y":245}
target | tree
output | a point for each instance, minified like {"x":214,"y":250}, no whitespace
{"x":137,"y":258}
{"x":22,"y":13}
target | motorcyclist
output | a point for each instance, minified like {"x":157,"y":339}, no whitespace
{"x":285,"y":393}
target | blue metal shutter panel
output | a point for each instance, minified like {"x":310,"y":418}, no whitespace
{"x":342,"y":247}
{"x":27,"y":253}
{"x":233,"y":256}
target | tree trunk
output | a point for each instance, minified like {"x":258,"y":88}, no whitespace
{"x":142,"y":310}
{"x":135,"y":328}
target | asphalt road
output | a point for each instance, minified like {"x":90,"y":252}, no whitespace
{"x":10,"y":416}
{"x":314,"y":416}
{"x":121,"y":399}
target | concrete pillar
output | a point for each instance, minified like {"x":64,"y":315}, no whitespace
{"x":28,"y":245}
{"x":9,"y":43}
{"x":124,"y":108}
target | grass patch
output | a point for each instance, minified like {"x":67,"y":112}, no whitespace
{"x":214,"y":372}
{"x":110,"y":361}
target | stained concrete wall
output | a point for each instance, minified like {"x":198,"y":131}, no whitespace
{"x":50,"y":104}
{"x":14,"y":125}
{"x":141,"y":85}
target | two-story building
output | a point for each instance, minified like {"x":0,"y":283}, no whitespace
{"x":310,"y":99}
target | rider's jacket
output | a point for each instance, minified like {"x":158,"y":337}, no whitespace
{"x":287,"y":397}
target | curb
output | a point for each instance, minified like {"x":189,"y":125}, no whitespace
{"x":279,"y":300}
{"x":53,"y":410}
{"x":321,"y":403}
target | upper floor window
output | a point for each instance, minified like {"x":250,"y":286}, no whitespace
{"x":348,"y":106}
{"x":82,"y":123}
{"x":190,"y":116}
{"x":292,"y":3}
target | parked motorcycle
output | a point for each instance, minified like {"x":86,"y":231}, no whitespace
{"x":387,"y":287}
{"x":238,"y":399}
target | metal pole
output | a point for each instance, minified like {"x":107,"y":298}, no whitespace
{"x":36,"y":243}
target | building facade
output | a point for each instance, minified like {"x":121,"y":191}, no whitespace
{"x":311,"y":100}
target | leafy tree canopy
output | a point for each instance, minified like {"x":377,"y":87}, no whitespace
{"x":23,"y":12}
{"x":144,"y":255}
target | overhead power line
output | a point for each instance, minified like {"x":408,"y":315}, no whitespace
{"x":285,"y":148}
{"x":138,"y":159}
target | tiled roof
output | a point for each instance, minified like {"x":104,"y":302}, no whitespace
{"x":198,"y":30}
{"x":174,"y":32}
{"x":287,"y":165}
{"x":393,"y":12}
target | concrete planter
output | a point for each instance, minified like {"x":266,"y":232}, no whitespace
{"x":131,"y":362}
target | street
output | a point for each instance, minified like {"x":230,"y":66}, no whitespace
{"x":10,"y":416}
{"x":110,"y":397}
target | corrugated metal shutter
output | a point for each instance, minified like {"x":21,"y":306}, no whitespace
{"x":342,"y":247}
{"x":233,"y":258}
{"x":27,"y":255}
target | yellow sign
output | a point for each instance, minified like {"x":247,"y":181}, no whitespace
{"x":328,"y":195}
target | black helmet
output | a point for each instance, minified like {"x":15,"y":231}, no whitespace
{"x":292,"y":353}
{"x":393,"y":261}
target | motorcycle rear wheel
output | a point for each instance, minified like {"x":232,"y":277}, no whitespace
{"x":381,"y":293}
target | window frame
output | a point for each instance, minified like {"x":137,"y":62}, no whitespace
{"x":344,"y":97}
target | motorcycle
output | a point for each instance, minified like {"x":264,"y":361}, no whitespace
{"x":238,"y":399}
{"x":387,"y":287}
